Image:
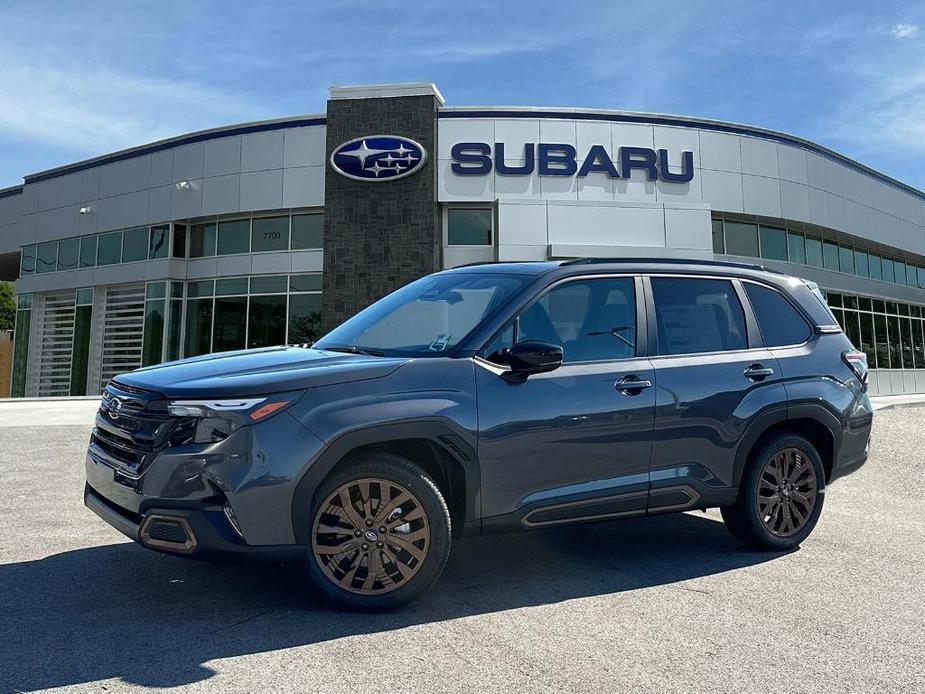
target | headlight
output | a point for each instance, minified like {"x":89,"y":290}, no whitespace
{"x":217,"y":419}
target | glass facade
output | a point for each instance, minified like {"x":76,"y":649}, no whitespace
{"x":890,"y":333}
{"x":21,"y":345}
{"x":469,"y":226}
{"x":80,"y":351}
{"x":776,"y":243}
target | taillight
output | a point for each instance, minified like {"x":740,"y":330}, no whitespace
{"x":857,"y":362}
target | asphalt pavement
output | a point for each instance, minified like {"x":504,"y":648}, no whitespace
{"x":667,"y":604}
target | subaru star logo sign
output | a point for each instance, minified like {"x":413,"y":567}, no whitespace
{"x":378,"y":158}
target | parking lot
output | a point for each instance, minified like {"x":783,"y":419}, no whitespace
{"x":669,"y":604}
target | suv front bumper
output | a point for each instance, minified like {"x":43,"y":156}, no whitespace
{"x":201,"y":532}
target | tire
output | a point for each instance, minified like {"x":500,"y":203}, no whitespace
{"x":407,"y":557}
{"x":780,"y":495}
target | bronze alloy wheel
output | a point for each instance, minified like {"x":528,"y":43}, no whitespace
{"x":787,"y":490}
{"x":370,"y":536}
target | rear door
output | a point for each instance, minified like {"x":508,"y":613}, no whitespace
{"x":713,"y":378}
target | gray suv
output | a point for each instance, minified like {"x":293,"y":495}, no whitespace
{"x":490,"y":398}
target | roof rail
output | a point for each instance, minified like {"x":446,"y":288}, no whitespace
{"x":673,"y":261}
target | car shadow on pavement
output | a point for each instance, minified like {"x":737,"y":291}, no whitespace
{"x":120,"y":611}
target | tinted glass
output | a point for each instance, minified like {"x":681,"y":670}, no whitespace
{"x":718,"y":245}
{"x":307,"y":230}
{"x":779,"y":321}
{"x":882,"y":342}
{"x":796,"y":248}
{"x":741,"y":239}
{"x":88,"y":251}
{"x":830,"y":255}
{"x":427,"y":317}
{"x":304,"y":318}
{"x":200,"y":288}
{"x":468,"y":227}
{"x":270,"y":234}
{"x":773,"y":243}
{"x":270,"y":284}
{"x":874,"y":266}
{"x":911,"y":278}
{"x":201,"y":240}
{"x":80,"y":353}
{"x":152,"y":347}
{"x":813,"y":251}
{"x":697,"y":315}
{"x":109,"y":251}
{"x":846,"y":259}
{"x":198,"y":327}
{"x":305,"y":283}
{"x":861,"y":266}
{"x":179,"y":241}
{"x":887,"y":265}
{"x":47,"y":257}
{"x":592,"y":320}
{"x":160,"y":240}
{"x":68,"y":254}
{"x":173,"y":330}
{"x":234,"y":237}
{"x":230,"y":323}
{"x":899,"y":272}
{"x":134,"y":245}
{"x":233,"y":285}
{"x":156,"y":290}
{"x":27,"y":264}
{"x":921,"y":274}
{"x":867,"y":339}
{"x":266,"y":326}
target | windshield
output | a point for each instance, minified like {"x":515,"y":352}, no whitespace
{"x":425,"y":318}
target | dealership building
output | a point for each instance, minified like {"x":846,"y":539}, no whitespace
{"x":271,"y":232}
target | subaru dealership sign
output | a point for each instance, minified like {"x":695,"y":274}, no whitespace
{"x":378,"y":158}
{"x":558,"y":159}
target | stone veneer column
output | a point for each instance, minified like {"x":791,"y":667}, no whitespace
{"x":379,"y":236}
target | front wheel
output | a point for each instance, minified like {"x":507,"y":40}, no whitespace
{"x":780,"y":495}
{"x":380,"y":534}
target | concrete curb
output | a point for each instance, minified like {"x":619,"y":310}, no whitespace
{"x":897,"y":405}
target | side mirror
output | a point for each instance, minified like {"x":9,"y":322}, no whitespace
{"x":534,"y":357}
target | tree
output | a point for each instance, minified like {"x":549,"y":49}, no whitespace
{"x":7,"y":306}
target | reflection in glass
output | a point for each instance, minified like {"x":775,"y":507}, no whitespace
{"x":266,"y":325}
{"x":230,"y":323}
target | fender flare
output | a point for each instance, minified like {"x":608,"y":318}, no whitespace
{"x":778,"y":415}
{"x":453,"y":440}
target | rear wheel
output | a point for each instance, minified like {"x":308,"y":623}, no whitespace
{"x":780,"y":495}
{"x":380,"y":534}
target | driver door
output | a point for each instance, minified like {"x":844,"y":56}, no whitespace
{"x":575,"y":443}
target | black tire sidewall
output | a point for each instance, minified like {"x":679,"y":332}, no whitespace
{"x":396,"y":469}
{"x":748,"y":519}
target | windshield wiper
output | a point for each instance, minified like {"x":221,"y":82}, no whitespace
{"x":351,"y":349}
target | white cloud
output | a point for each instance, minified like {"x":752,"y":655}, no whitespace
{"x":905,"y":31}
{"x":91,"y":109}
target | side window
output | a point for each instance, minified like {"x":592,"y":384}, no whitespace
{"x":780,"y":323}
{"x":697,"y":315}
{"x":592,"y":320}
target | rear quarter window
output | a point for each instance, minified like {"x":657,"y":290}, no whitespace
{"x":780,"y":323}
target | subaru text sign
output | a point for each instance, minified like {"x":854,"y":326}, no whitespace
{"x":559,"y":159}
{"x":378,"y":158}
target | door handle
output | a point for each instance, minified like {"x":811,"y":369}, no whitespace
{"x":631,"y":385}
{"x":758,"y":372}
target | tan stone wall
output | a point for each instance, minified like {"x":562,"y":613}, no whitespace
{"x":6,"y":362}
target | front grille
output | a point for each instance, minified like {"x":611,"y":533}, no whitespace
{"x":167,"y":531}
{"x":133,"y":426}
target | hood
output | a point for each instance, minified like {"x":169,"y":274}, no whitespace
{"x":257,"y":372}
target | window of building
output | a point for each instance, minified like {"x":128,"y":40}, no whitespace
{"x":202,"y":240}
{"x":179,"y":241}
{"x":134,"y":244}
{"x":270,"y":234}
{"x":867,"y":339}
{"x":80,"y":351}
{"x":234,"y":236}
{"x":21,"y":345}
{"x":266,"y":324}
{"x":88,"y":251}
{"x":911,"y":277}
{"x":592,"y":320}
{"x":200,"y":288}
{"x":152,"y":351}
{"x":813,"y":251}
{"x":46,"y":257}
{"x":469,"y":226}
{"x":741,"y":238}
{"x":887,"y":265}
{"x":874,"y":266}
{"x":718,"y":245}
{"x":231,"y":286}
{"x":269,"y":284}
{"x":304,"y":318}
{"x":846,"y":259}
{"x":830,"y":255}
{"x":68,"y":254}
{"x":773,"y":243}
{"x":109,"y":248}
{"x":307,"y":230}
{"x":305,"y":283}
{"x":861,"y":266}
{"x":229,"y":332}
{"x":697,"y":315}
{"x":160,"y":241}
{"x":27,"y":260}
{"x":780,"y":323}
{"x":921,"y":274}
{"x":796,"y":248}
{"x":899,"y":272}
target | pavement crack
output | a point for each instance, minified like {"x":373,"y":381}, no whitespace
{"x":244,"y":621}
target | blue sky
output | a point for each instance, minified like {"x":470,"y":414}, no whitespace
{"x":82,"y":79}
